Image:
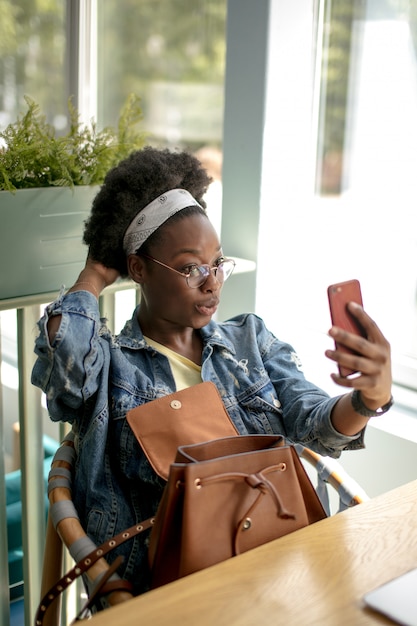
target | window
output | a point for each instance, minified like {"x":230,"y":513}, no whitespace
{"x":340,"y":167}
{"x":32,"y":62}
{"x":32,"y":58}
{"x":172,"y":54}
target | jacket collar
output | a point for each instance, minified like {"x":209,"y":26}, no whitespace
{"x":132,"y":337}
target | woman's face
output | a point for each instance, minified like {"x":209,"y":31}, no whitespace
{"x":166,"y":295}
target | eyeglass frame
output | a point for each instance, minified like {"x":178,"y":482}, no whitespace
{"x":188,"y":276}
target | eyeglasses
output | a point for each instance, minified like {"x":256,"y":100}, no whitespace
{"x":198,"y":274}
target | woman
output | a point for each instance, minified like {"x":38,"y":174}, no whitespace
{"x":148,"y":222}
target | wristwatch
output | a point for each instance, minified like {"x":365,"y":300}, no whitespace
{"x":362,"y":409}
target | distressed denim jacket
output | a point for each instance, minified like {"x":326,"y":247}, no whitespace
{"x":91,"y":379}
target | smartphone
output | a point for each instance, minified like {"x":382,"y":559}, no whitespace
{"x":339,"y":295}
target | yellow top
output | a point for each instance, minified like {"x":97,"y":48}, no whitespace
{"x":185,"y":372}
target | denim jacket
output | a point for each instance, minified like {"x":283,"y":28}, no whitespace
{"x":91,"y":379}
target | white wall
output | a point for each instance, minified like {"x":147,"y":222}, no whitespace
{"x":387,"y":462}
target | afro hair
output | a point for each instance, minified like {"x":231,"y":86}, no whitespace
{"x":128,"y":188}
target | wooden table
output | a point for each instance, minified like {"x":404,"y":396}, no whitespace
{"x":315,"y":576}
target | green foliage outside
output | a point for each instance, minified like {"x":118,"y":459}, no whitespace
{"x":335,"y":70}
{"x":169,"y":42}
{"x":340,"y":54}
{"x":141,"y":43}
{"x":32,"y":155}
{"x":32,"y":57}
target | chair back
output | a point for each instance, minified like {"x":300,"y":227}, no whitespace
{"x":329,"y":472}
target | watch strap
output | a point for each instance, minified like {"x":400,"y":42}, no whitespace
{"x":361,"y":408}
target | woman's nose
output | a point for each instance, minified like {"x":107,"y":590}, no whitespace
{"x":211,"y":283}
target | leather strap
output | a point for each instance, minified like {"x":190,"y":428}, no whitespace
{"x":99,"y":588}
{"x":116,"y":585}
{"x":82,"y":566}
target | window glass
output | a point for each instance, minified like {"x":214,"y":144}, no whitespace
{"x":172,"y":55}
{"x":346,"y":209}
{"x":32,"y":59}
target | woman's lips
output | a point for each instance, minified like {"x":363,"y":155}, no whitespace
{"x":207,"y":308}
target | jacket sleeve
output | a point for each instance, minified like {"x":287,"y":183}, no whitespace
{"x":306,"y":408}
{"x":69,"y":370}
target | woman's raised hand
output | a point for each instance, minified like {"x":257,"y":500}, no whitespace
{"x":372,"y":359}
{"x":95,"y":277}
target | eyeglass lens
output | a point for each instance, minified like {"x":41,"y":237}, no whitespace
{"x":202,"y":272}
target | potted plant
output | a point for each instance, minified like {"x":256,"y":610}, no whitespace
{"x":47,"y":184}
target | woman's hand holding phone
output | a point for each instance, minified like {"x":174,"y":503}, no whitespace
{"x":340,"y":295}
{"x":362,"y":353}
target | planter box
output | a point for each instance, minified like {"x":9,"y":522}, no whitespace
{"x":41,"y":239}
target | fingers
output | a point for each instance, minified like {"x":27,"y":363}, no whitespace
{"x":371,"y":330}
{"x":371,"y":344}
{"x":366,"y":357}
{"x":369,"y":357}
{"x":358,"y":364}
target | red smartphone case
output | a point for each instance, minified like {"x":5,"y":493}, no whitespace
{"x":339,"y":295}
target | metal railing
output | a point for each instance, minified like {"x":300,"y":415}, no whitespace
{"x":31,"y":415}
{"x":31,"y":457}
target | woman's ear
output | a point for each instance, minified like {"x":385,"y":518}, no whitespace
{"x":135,"y":266}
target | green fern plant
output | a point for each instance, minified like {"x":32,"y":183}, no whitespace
{"x":31,"y":155}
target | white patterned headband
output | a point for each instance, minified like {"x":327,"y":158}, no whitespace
{"x":154,"y":215}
